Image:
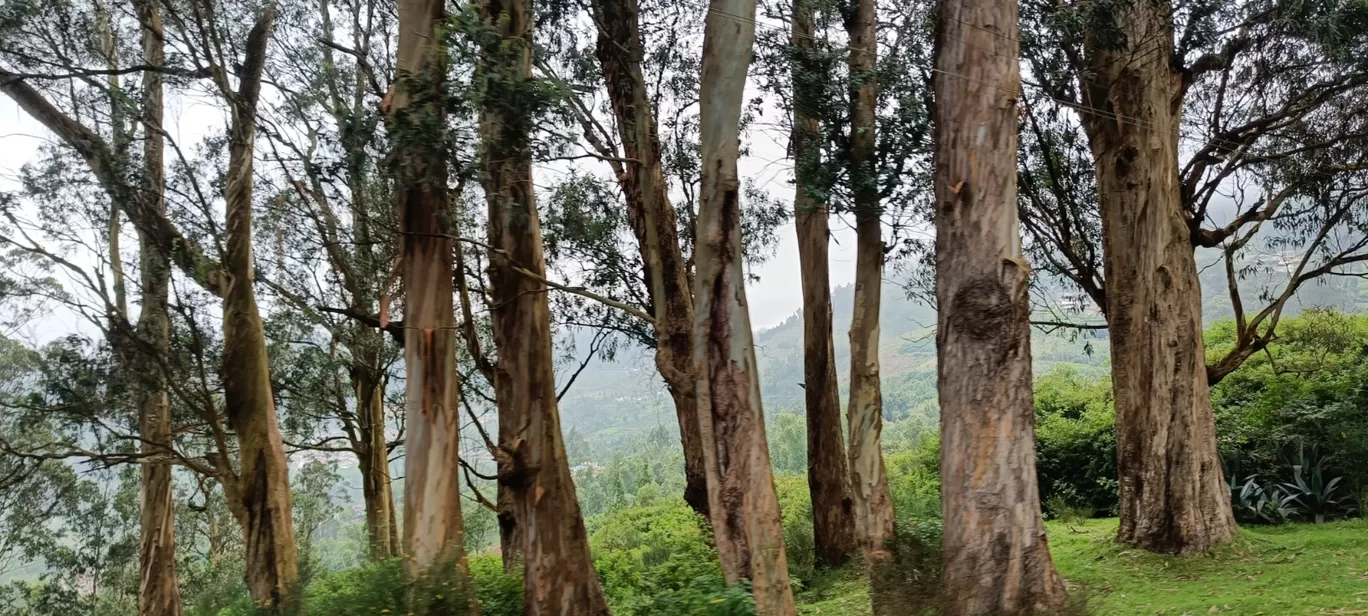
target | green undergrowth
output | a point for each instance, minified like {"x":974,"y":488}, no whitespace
{"x":1268,"y":570}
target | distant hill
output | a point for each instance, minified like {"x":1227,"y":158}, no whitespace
{"x":611,"y":402}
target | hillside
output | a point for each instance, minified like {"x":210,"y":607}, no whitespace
{"x":611,"y":402}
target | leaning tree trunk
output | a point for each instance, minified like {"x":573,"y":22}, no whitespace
{"x":158,"y":591}
{"x":263,"y":485}
{"x":996,"y":558}
{"x":741,"y":494}
{"x":433,"y":532}
{"x":828,"y":475}
{"x":374,"y":453}
{"x":654,"y":221}
{"x":1173,"y":494}
{"x":558,"y":574}
{"x":869,"y":480}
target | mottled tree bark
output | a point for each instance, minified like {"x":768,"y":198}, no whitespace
{"x":434,"y":542}
{"x":833,"y":521}
{"x":997,"y":560}
{"x":1173,"y":493}
{"x":655,"y":225}
{"x":263,"y":487}
{"x":558,"y":574}
{"x":869,"y":480}
{"x":373,"y":455}
{"x":741,"y":494}
{"x":158,"y":590}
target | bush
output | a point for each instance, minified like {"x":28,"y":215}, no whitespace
{"x":795,"y":510}
{"x":914,"y":478}
{"x":373,"y":588}
{"x":1076,"y":443}
{"x":642,"y":553}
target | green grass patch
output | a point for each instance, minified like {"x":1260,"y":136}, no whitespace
{"x":1269,"y":570}
{"x":1272,"y":570}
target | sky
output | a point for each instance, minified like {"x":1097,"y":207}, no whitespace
{"x":774,"y":297}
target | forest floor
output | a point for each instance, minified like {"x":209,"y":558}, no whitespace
{"x":1269,"y":570}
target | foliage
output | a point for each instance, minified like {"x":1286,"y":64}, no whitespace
{"x":1299,"y":404}
{"x":1075,"y":442}
{"x":645,"y":553}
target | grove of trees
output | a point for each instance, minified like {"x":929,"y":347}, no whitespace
{"x":271,"y":234}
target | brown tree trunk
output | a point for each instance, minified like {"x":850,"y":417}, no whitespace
{"x":655,"y":224}
{"x":374,"y":457}
{"x":741,"y":494}
{"x":558,"y":574}
{"x":263,"y":486}
{"x":869,"y":481}
{"x":510,"y":537}
{"x":828,"y":475}
{"x":1173,"y":494}
{"x":433,"y":530}
{"x":997,"y":560}
{"x":158,"y":591}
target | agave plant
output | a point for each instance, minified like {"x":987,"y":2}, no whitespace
{"x":1256,"y":504}
{"x":1315,"y":496}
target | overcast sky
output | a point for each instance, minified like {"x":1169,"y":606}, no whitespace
{"x":774,"y":297}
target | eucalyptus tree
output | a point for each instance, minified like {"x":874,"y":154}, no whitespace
{"x":859,"y":144}
{"x":334,"y":228}
{"x":558,"y":573}
{"x":997,"y":560}
{"x":204,"y":33}
{"x":1187,"y":109}
{"x":433,"y":534}
{"x":741,"y":492}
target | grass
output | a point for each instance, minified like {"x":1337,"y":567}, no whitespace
{"x":1273,"y":571}
{"x":1292,"y":569}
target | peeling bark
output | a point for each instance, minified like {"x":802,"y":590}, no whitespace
{"x":741,"y":493}
{"x":1173,"y":494}
{"x":262,"y":503}
{"x":558,"y":574}
{"x":654,"y":222}
{"x":434,"y":542}
{"x":833,"y":521}
{"x":997,"y":560}
{"x":373,"y":461}
{"x":869,"y":480}
{"x":158,"y":591}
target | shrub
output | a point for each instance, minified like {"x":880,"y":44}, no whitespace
{"x":373,"y":588}
{"x":1076,"y":443}
{"x":642,"y":553}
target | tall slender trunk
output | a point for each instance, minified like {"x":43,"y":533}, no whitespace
{"x":263,"y":487}
{"x":869,"y":480}
{"x":558,"y":574}
{"x":997,"y":560}
{"x":433,"y":530}
{"x":741,"y":494}
{"x":374,"y":455}
{"x":1173,"y":494}
{"x":654,"y":221}
{"x":827,"y":471}
{"x":158,"y":592}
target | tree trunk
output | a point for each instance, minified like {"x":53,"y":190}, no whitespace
{"x":869,"y":481}
{"x":558,"y":574}
{"x":1173,"y":494}
{"x":158,"y":591}
{"x":997,"y":560}
{"x":433,"y":529}
{"x":828,"y":475}
{"x":374,"y":456}
{"x":741,"y":494}
{"x":263,"y":486}
{"x":655,"y":224}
